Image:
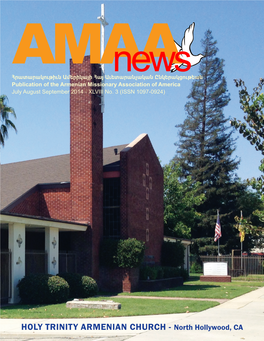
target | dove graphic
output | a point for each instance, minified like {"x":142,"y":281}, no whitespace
{"x":186,"y":47}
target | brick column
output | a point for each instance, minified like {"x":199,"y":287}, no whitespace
{"x":87,"y":156}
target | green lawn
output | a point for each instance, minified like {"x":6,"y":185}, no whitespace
{"x":133,"y":307}
{"x":196,"y":289}
{"x":249,"y":278}
{"x":129,"y":307}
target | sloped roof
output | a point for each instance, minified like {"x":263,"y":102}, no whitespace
{"x":19,"y":177}
{"x":110,"y":158}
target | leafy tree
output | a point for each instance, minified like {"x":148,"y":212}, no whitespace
{"x":180,"y":199}
{"x":205,"y":246}
{"x":205,"y":145}
{"x":251,"y":223}
{"x":252,"y":128}
{"x":6,"y":123}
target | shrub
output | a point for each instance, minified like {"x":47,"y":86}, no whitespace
{"x":184,"y":274}
{"x":33,"y":289}
{"x":58,"y":289}
{"x":196,"y":268}
{"x":75,"y":282}
{"x":170,"y":272}
{"x":172,"y":254}
{"x":143,"y":275}
{"x":130,"y":253}
{"x":43,"y":289}
{"x":151,"y":272}
{"x":158,"y":272}
{"x":127,"y":253}
{"x":80,"y":286}
{"x":147,"y":272}
{"x":89,"y":286}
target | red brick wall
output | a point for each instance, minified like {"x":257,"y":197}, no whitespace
{"x":118,"y":279}
{"x":83,"y":202}
{"x":134,"y":198}
{"x":87,"y":156}
{"x":56,"y":203}
{"x":49,"y":203}
{"x":30,"y":205}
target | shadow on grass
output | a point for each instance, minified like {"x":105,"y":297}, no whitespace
{"x":185,"y":288}
{"x":107,"y":294}
{"x":21,"y":306}
{"x":192,"y":287}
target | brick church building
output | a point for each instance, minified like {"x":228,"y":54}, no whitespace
{"x":61,"y":207}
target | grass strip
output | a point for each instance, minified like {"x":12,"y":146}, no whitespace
{"x":249,"y":278}
{"x":136,"y":307}
{"x":129,"y":307}
{"x":197,"y":289}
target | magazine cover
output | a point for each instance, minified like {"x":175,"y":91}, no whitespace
{"x":131,"y":153}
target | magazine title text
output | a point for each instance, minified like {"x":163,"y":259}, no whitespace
{"x":91,"y":33}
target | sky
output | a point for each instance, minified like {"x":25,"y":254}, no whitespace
{"x":43,"y":120}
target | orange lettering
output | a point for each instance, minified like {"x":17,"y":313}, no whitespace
{"x":163,"y":31}
{"x":24,"y":50}
{"x":91,"y":31}
{"x":112,"y":45}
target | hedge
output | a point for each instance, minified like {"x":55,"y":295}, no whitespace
{"x":43,"y":289}
{"x":161,"y":272}
{"x":75,"y":282}
{"x":89,"y":286}
{"x":80,"y":286}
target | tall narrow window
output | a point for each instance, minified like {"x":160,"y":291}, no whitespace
{"x":147,"y":169}
{"x":147,"y":214}
{"x":144,"y":180}
{"x":147,"y":235}
{"x":150,"y":182}
{"x":111,"y":208}
{"x":147,"y":193}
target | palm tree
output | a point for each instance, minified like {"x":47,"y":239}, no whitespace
{"x":6,"y":123}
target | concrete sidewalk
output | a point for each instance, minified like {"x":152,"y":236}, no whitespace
{"x":239,"y":319}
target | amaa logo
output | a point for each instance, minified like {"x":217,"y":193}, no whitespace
{"x":174,"y":56}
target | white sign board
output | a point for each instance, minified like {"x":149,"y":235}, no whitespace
{"x":215,"y":269}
